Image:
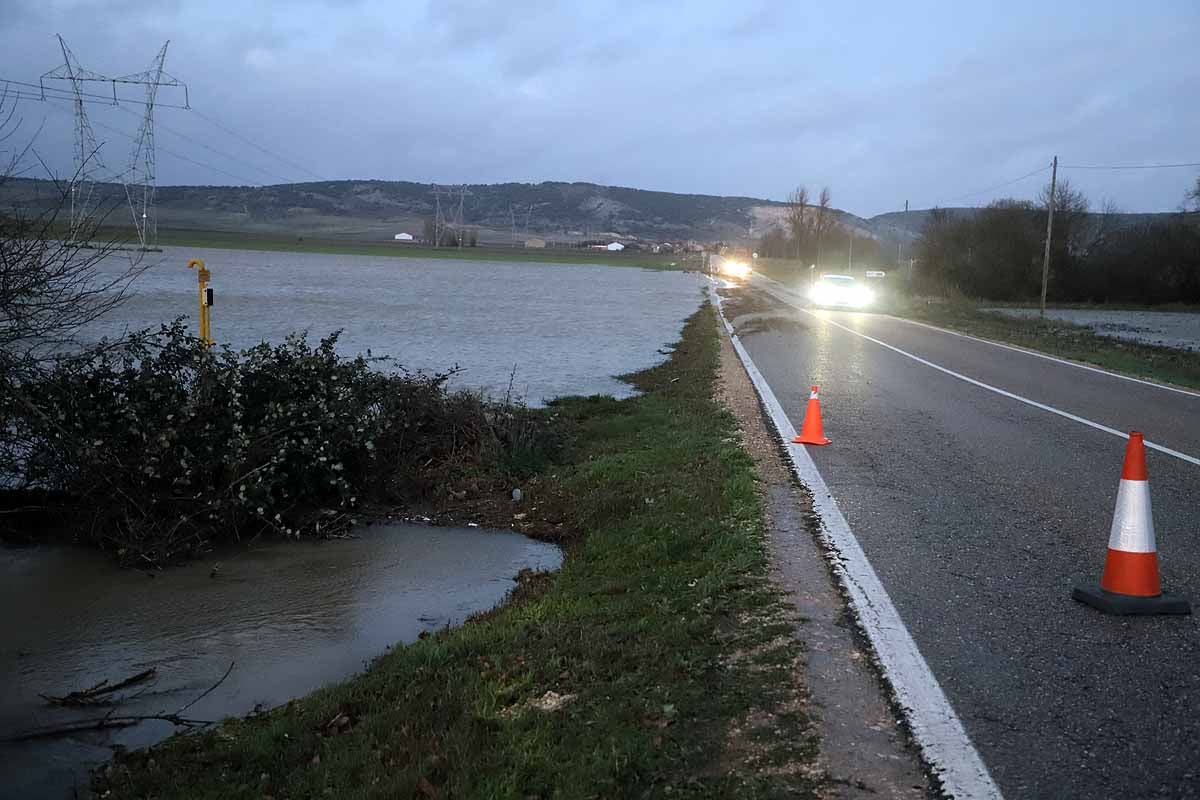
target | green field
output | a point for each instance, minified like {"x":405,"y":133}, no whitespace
{"x":297,"y":244}
{"x":646,"y":667}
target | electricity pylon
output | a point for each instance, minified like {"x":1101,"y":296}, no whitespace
{"x":87,"y":152}
{"x":140,"y":187}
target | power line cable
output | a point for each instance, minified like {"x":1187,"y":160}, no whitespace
{"x":999,"y":186}
{"x":243,"y":179}
{"x":49,"y":98}
{"x":214,"y":151}
{"x":260,"y":148}
{"x":1128,"y":166}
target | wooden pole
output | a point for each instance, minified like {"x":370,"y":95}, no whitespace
{"x":1049,"y":233}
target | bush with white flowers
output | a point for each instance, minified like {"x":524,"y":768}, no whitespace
{"x":164,"y":446}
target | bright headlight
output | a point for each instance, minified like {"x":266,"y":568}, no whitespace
{"x":861,"y":296}
{"x":737,"y":269}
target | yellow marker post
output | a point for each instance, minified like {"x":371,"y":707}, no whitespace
{"x":204,"y":277}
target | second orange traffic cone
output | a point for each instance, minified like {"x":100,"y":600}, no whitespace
{"x":810,"y":431}
{"x":1130,"y":582}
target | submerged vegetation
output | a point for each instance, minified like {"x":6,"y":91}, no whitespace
{"x":658,"y":662}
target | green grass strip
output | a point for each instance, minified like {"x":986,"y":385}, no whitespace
{"x":661,"y":634}
{"x":1062,"y":339}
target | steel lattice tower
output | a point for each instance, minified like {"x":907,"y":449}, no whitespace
{"x":140,"y":186}
{"x":87,"y":152}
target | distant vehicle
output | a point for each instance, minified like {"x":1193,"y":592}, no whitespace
{"x":840,"y":291}
{"x":732,"y":268}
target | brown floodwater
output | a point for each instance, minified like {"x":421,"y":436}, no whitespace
{"x":291,"y":617}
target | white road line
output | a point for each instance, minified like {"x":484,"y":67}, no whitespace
{"x":1003,"y":392}
{"x":936,"y":727}
{"x":1026,"y":351}
{"x":1056,"y":360}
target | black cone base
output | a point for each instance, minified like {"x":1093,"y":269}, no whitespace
{"x":1111,"y":603}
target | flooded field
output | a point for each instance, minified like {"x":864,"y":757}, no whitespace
{"x":293,"y":617}
{"x":289,"y":617}
{"x":566,"y":328}
{"x":1166,"y":328}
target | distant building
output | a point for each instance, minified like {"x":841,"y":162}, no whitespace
{"x":535,"y":242}
{"x":403,"y":237}
{"x":614,"y":247}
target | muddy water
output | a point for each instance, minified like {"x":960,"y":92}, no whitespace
{"x":292,"y":617}
{"x":564,"y":328}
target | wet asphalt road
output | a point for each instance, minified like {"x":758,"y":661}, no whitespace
{"x":979,"y":514}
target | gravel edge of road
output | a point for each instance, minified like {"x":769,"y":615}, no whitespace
{"x":864,"y":746}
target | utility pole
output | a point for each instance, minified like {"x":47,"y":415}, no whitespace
{"x":1049,"y":232}
{"x":850,"y":258}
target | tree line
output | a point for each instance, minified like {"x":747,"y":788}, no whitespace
{"x":997,"y":253}
{"x":811,"y":235}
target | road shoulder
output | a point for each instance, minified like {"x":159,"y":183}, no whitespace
{"x":863,"y":749}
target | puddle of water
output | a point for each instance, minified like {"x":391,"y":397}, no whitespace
{"x":566,"y":328}
{"x":292,"y":616}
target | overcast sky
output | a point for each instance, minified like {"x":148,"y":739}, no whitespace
{"x":928,"y":102}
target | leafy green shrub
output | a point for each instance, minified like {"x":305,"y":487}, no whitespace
{"x":164,"y":445}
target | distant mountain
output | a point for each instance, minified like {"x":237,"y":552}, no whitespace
{"x":371,"y":209}
{"x":378,"y":208}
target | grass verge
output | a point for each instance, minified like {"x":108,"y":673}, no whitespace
{"x":1064,"y":340}
{"x":292,"y":244}
{"x":657,"y":662}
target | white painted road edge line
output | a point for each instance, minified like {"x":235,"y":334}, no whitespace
{"x":937,"y":729}
{"x":1026,"y":351}
{"x":1003,"y":392}
{"x":1055,"y":359}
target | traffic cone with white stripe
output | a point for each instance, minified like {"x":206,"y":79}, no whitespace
{"x":810,"y":430}
{"x":1130,"y":582}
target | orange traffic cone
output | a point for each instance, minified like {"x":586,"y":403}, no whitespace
{"x":810,"y":431}
{"x":1130,"y":582}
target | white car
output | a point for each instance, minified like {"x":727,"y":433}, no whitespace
{"x":840,"y":291}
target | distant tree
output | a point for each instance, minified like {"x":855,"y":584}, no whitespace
{"x":797,"y":219}
{"x":1193,"y":197}
{"x":823,"y":220}
{"x":53,"y":283}
{"x":935,"y":254}
{"x":1074,"y":231}
{"x":1151,"y":262}
{"x":774,"y":244}
{"x":1070,"y":209}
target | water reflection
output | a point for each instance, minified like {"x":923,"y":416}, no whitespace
{"x":292,"y":616}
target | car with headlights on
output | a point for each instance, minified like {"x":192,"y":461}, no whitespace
{"x":840,"y":291}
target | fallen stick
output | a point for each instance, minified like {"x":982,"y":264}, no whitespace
{"x":105,"y":723}
{"x":98,"y":693}
{"x":112,"y":720}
